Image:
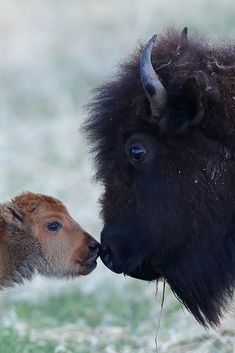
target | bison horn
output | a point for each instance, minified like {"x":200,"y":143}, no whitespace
{"x":154,"y":89}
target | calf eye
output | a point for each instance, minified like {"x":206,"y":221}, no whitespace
{"x":53,"y":226}
{"x":137,"y":153}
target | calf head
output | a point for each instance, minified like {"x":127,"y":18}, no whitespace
{"x":41,"y":235}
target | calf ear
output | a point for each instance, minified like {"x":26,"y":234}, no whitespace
{"x":191,"y":94}
{"x":12,"y":215}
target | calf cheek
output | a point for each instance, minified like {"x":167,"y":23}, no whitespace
{"x":57,"y":257}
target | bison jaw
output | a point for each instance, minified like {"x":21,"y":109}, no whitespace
{"x":122,"y":257}
{"x":129,"y":267}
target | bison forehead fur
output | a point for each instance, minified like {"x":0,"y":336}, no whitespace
{"x":168,"y":204}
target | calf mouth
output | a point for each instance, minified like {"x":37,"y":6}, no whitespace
{"x":88,"y":266}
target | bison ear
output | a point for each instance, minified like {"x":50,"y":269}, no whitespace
{"x":192,"y":95}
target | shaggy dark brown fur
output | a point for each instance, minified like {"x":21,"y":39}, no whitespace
{"x":171,"y":214}
{"x":30,"y":240}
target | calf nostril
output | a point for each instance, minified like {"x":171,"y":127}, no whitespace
{"x":94,"y":246}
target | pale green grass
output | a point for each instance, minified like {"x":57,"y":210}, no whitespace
{"x":118,"y":317}
{"x":53,"y":52}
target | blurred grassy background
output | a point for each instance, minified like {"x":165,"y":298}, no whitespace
{"x":53,"y":52}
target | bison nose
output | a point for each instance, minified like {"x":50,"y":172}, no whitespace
{"x":107,"y":258}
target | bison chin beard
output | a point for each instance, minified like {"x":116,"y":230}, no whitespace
{"x":203,"y":281}
{"x":200,"y":272}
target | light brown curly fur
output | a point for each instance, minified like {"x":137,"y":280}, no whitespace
{"x":27,"y":246}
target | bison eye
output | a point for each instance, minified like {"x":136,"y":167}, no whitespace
{"x":137,"y":153}
{"x":53,"y":226}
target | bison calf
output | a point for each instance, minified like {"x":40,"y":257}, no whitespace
{"x":38,"y":234}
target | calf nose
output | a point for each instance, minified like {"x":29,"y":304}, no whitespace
{"x":94,"y":246}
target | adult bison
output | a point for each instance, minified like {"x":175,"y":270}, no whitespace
{"x":163,"y":135}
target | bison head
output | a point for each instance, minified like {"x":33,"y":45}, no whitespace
{"x":162,"y":133}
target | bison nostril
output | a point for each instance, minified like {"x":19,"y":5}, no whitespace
{"x":105,"y":253}
{"x":104,"y":250}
